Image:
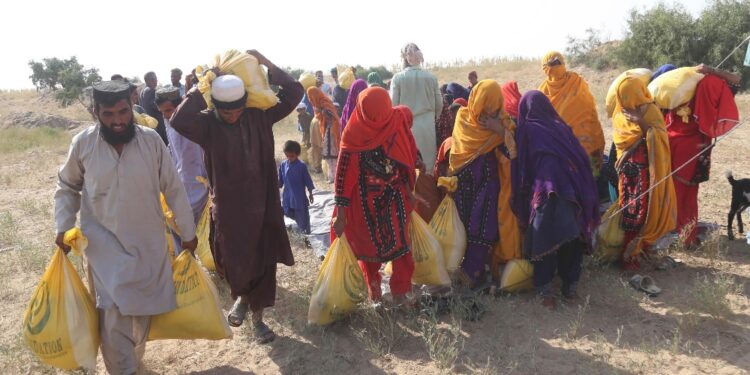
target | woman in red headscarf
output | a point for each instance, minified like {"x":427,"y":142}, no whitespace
{"x":374,"y":180}
{"x":691,"y":128}
{"x":512,"y":98}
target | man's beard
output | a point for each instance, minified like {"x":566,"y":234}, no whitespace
{"x":114,"y":138}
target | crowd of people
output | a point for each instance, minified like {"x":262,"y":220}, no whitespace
{"x":530,"y":167}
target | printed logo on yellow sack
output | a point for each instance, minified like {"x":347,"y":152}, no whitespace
{"x":60,"y":324}
{"x":198,"y":315}
{"x":340,"y":285}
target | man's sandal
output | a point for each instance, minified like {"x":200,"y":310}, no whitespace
{"x":238,"y":313}
{"x":263,"y":334}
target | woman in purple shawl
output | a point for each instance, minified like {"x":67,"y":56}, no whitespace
{"x":351,"y":101}
{"x":455,"y":91}
{"x":554,"y":196}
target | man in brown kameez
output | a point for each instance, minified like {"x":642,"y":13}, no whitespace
{"x":249,"y":236}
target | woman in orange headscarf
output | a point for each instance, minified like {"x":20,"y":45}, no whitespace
{"x":643,"y":159}
{"x":374,"y":180}
{"x":325,"y":130}
{"x":572,"y":99}
{"x":480,"y":158}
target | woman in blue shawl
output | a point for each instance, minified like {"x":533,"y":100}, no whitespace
{"x":455,"y":91}
{"x":554,"y":196}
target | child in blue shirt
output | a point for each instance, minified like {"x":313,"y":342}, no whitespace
{"x":294,"y":178}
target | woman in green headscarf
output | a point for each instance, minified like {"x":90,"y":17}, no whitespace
{"x":374,"y":80}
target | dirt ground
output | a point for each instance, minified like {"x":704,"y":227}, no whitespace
{"x":699,"y":324}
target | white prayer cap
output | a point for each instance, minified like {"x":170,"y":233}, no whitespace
{"x":227,"y":89}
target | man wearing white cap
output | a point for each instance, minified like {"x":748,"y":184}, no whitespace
{"x":249,"y":236}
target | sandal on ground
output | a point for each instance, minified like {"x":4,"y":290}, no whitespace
{"x":645,"y":284}
{"x":238,"y":313}
{"x":263,"y":334}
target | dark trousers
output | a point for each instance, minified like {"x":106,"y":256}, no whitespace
{"x":566,"y":261}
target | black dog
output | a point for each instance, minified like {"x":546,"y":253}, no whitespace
{"x":740,"y":201}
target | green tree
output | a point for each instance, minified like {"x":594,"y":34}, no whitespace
{"x":68,"y":79}
{"x":722,"y":26}
{"x":660,"y":35}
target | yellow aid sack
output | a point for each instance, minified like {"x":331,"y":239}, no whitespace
{"x":307,"y":80}
{"x":202,"y":231}
{"x":675,"y":87}
{"x":642,"y":74}
{"x":448,"y":228}
{"x":143,"y":119}
{"x":60,"y":324}
{"x":429,"y":266}
{"x":259,"y":93}
{"x":198,"y":315}
{"x":518,"y":275}
{"x":610,"y":237}
{"x":347,"y":78}
{"x":340,"y":285}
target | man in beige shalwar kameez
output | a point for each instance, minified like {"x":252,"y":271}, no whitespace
{"x":114,"y":173}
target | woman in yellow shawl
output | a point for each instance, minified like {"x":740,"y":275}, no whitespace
{"x":643,"y":159}
{"x":572,"y":99}
{"x":480,"y":159}
{"x":325,"y":130}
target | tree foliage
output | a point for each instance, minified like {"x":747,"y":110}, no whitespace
{"x":68,"y":79}
{"x":670,"y":34}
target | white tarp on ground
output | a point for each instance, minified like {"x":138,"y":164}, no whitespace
{"x":320,"y":222}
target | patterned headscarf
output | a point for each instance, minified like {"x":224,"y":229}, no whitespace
{"x":411,"y":55}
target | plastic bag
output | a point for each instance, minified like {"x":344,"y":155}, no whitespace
{"x":448,"y":228}
{"x":259,"y":93}
{"x":143,"y":119}
{"x":518,"y":275}
{"x":675,"y":87}
{"x":198,"y":314}
{"x":610,"y":236}
{"x":307,"y":80}
{"x":60,"y":324}
{"x":340,"y":285}
{"x":202,"y":231}
{"x":169,"y":226}
{"x":347,"y":78}
{"x":429,"y":266}
{"x":641,"y":73}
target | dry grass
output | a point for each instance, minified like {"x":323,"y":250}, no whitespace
{"x":700,"y":324}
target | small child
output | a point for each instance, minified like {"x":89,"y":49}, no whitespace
{"x":294,"y":178}
{"x":304,"y":119}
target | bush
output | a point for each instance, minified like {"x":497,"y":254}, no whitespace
{"x":670,"y":34}
{"x":592,"y":50}
{"x":722,"y":26}
{"x":659,"y":36}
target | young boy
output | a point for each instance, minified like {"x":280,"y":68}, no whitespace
{"x":294,"y":178}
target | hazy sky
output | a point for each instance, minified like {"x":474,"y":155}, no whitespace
{"x":134,"y":36}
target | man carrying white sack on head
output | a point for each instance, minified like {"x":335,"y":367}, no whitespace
{"x":114,"y":174}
